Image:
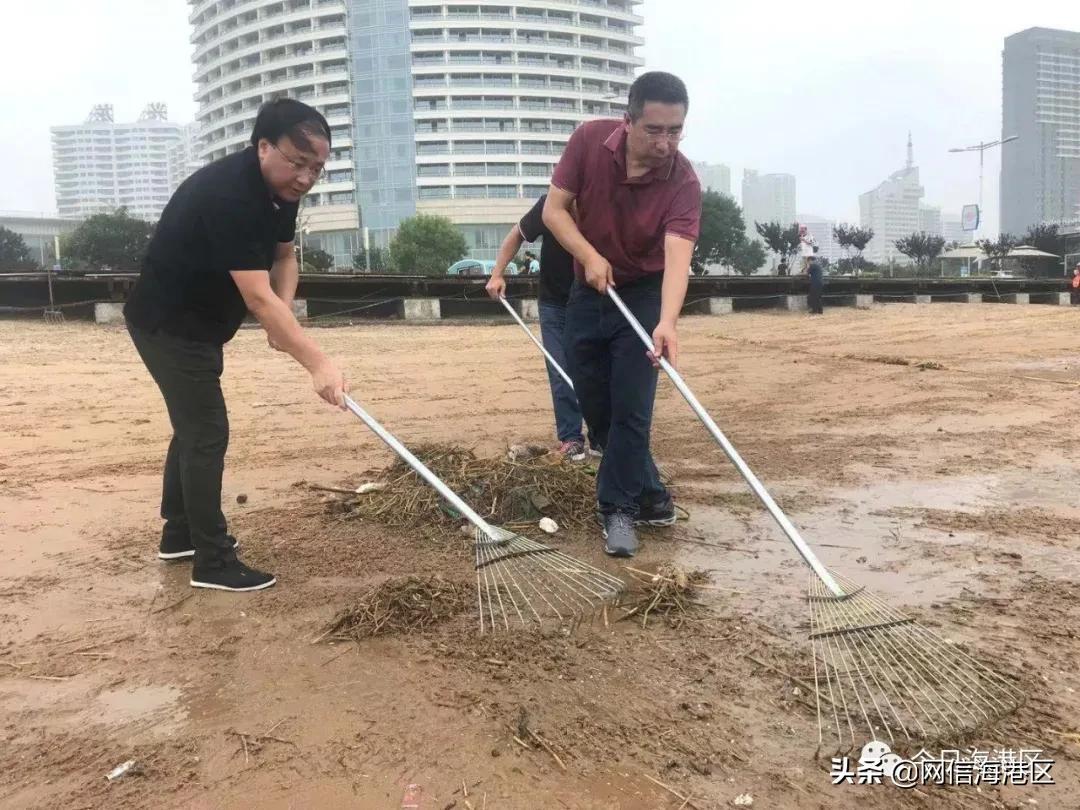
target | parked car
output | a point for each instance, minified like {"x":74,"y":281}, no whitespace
{"x":477,"y":268}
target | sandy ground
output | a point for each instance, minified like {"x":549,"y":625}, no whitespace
{"x":949,"y":489}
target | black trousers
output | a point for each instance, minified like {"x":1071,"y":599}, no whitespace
{"x":817,"y":290}
{"x":188,"y":373}
{"x":616,"y":386}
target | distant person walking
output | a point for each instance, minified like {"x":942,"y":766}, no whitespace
{"x":1075,"y":297}
{"x":817,"y":285}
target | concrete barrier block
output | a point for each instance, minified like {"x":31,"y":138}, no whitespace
{"x":795,"y":303}
{"x":299,"y":308}
{"x":1053,"y":298}
{"x":973,"y":298}
{"x":421,"y":309}
{"x":530,"y":309}
{"x":1016,"y":298}
{"x":109,"y":313}
{"x":720,"y":306}
{"x":859,"y":301}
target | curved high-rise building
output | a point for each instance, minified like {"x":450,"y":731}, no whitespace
{"x":250,"y":51}
{"x":459,"y":109}
{"x":499,"y":87}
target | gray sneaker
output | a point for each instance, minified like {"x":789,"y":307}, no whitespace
{"x":573,"y":450}
{"x":618,"y":528}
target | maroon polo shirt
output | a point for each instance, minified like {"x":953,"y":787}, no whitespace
{"x":626,"y":219}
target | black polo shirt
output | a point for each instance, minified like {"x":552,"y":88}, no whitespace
{"x":556,"y":264}
{"x":222,"y":218}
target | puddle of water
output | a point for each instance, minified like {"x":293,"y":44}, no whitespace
{"x":160,"y":704}
{"x":848,"y":535}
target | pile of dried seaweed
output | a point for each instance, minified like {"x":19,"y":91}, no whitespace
{"x":515,"y":489}
{"x":404,"y":605}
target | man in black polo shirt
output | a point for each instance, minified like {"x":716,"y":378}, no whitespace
{"x":222,"y":248}
{"x":556,"y":277}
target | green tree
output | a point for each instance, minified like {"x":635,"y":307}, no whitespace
{"x":426,"y":245}
{"x":722,"y":231}
{"x":380,"y":260}
{"x":14,"y":254}
{"x":852,"y":237}
{"x":997,"y":249}
{"x":114,"y":240}
{"x":1045,"y":238}
{"x":922,"y":248}
{"x":748,"y":256}
{"x":780,"y":239}
{"x":318,"y":260}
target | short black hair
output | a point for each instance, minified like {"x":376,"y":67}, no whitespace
{"x":656,"y":85}
{"x":283,"y":117}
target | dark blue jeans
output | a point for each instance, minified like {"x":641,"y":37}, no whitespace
{"x":563,"y":398}
{"x":616,"y":387}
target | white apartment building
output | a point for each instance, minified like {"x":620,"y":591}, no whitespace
{"x":767,"y":198}
{"x":101,"y":165}
{"x":458,"y":109}
{"x":251,"y":51}
{"x":498,"y":88}
{"x":892,"y":209}
{"x":714,"y":177}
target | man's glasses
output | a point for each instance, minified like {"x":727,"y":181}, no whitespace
{"x":670,"y":137}
{"x":316,"y":173}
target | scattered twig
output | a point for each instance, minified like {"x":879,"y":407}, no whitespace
{"x":253,"y":743}
{"x":51,"y":677}
{"x":813,"y":690}
{"x":338,"y":490}
{"x":170,"y":606}
{"x":548,"y":748}
{"x":671,"y":790}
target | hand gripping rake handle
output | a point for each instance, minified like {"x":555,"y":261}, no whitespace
{"x":729,"y":450}
{"x":539,"y":345}
{"x":421,"y":470}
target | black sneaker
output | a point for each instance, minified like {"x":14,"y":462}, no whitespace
{"x":618,"y":528}
{"x":180,"y":548}
{"x":660,"y":513}
{"x":229,"y":575}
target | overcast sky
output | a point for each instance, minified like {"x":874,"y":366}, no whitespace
{"x":825,"y":90}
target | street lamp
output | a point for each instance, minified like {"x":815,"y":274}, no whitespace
{"x":981,"y":148}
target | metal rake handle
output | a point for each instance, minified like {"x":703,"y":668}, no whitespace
{"x":421,"y":470}
{"x":539,"y":345}
{"x":729,"y":450}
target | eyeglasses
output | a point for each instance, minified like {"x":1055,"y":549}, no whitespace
{"x":670,"y":137}
{"x":317,"y":173}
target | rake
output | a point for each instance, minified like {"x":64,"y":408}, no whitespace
{"x":539,"y":345}
{"x":876,"y":670}
{"x":519,"y":582}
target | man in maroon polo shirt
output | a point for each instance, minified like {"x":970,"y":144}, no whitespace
{"x":638,"y":214}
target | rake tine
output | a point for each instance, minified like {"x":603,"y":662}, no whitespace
{"x":879,"y":652}
{"x":507,"y":564}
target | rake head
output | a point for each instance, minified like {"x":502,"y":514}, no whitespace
{"x":521,"y":582}
{"x":879,"y":673}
